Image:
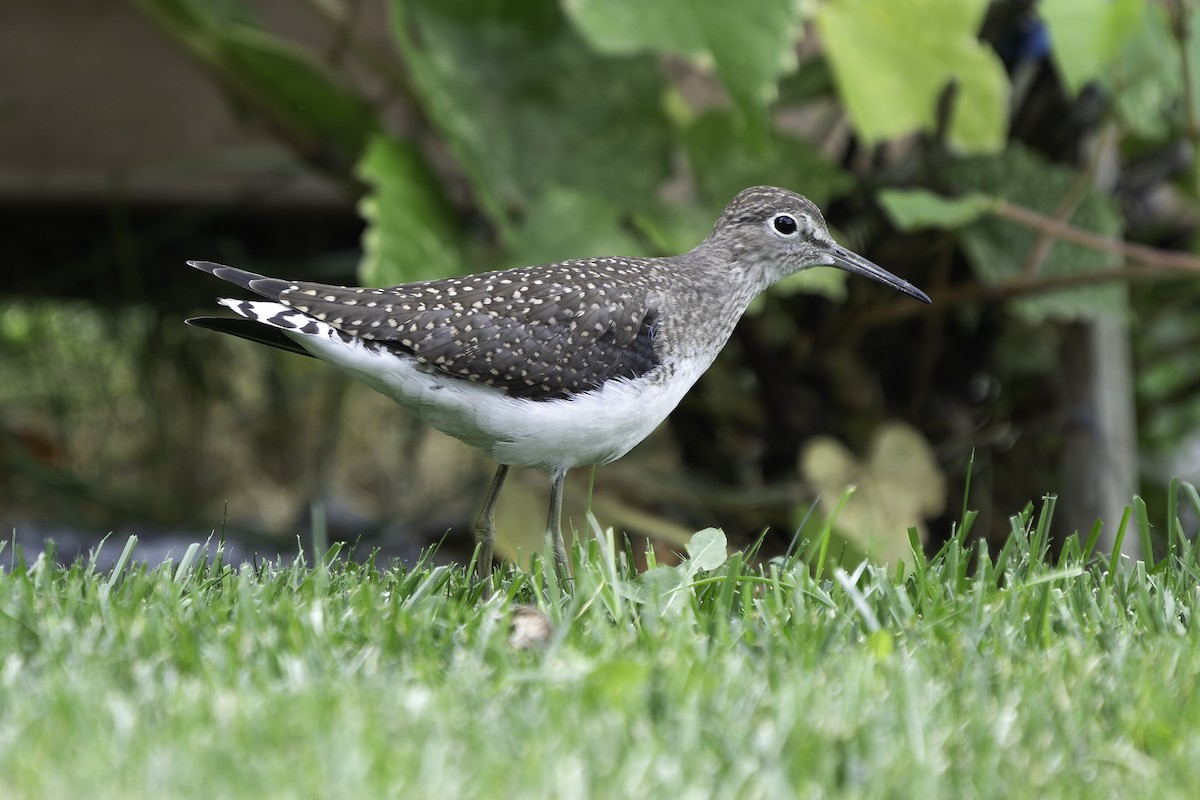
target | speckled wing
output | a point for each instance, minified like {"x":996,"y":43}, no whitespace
{"x":540,"y":333}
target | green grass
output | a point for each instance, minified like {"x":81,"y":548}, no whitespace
{"x":967,"y":675}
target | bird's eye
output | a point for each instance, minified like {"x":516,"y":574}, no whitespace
{"x":785,"y":224}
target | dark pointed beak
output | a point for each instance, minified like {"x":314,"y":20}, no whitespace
{"x":856,"y":264}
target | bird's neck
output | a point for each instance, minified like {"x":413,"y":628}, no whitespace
{"x":709,"y":290}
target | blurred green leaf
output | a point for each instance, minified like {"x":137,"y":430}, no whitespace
{"x":523,"y":104}
{"x":707,"y":550}
{"x":674,"y":229}
{"x":1192,"y":28}
{"x":899,"y":483}
{"x":1086,"y":36}
{"x":724,"y":163}
{"x":748,"y":43}
{"x":893,"y":58}
{"x":661,"y":584}
{"x":1144,"y":81}
{"x":619,"y":681}
{"x":919,"y":208}
{"x":566,"y":223}
{"x":825,"y":281}
{"x":881,"y":643}
{"x":998,"y":248}
{"x":290,"y":85}
{"x":327,"y":122}
{"x":411,"y":232}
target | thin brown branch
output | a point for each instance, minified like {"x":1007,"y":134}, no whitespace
{"x":1151,"y":263}
{"x":969,"y":293}
{"x":1137,"y":253}
{"x":1067,"y":205}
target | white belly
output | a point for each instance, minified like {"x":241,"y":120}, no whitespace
{"x":591,"y":428}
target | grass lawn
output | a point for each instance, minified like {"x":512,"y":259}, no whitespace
{"x":972,"y":674}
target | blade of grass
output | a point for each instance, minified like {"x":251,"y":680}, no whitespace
{"x":118,"y":569}
{"x":1093,"y":537}
{"x":827,"y":530}
{"x":1143,"y":525}
{"x":1174,"y":530}
{"x":1115,"y":556}
{"x":967,"y":489}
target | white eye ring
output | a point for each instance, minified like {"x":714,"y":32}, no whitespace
{"x":785,"y":225}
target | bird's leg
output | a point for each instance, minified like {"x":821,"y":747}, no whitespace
{"x":485,"y":527}
{"x":554,"y":538}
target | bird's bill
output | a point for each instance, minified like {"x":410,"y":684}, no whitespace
{"x":856,"y":264}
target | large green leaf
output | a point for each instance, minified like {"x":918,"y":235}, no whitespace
{"x":566,"y":223}
{"x":1086,"y":36}
{"x":998,"y":248}
{"x":749,"y":43}
{"x":523,"y":103}
{"x":892,"y":59}
{"x":411,"y":233}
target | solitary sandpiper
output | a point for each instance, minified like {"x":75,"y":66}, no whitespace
{"x":554,"y":366}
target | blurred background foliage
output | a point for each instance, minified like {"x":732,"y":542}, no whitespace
{"x":1031,"y":165}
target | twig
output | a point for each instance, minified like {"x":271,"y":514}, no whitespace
{"x":1152,"y":262}
{"x":1138,"y":253}
{"x":1018,"y":287}
{"x":1066,"y":207}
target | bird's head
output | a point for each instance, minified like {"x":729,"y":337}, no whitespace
{"x":781,"y":232}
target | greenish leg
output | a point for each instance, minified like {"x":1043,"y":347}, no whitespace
{"x":554,"y":538}
{"x":485,"y":528}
